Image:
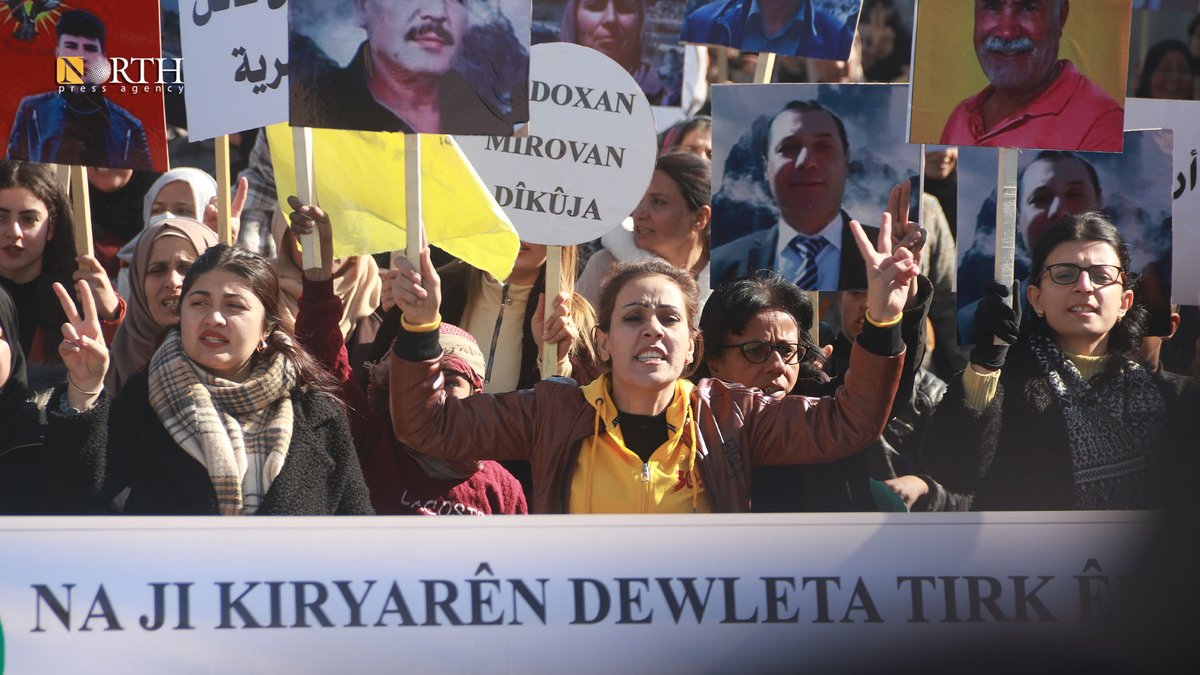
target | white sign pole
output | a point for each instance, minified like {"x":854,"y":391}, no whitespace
{"x":306,"y":192}
{"x":1006,"y":219}
{"x":413,"y":228}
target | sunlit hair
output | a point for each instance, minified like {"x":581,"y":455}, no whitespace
{"x":1125,"y":337}
{"x":623,"y":273}
{"x":260,"y":276}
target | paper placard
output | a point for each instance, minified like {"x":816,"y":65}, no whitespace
{"x":237,"y":65}
{"x":588,"y":157}
{"x":1184,"y":118}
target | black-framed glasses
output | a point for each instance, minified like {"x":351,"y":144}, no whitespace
{"x":757,"y":351}
{"x":1068,"y":273}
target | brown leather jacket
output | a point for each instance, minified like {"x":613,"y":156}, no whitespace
{"x":739,"y":428}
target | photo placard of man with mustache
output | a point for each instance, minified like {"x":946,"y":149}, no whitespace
{"x":1034,"y":99}
{"x":411,"y":73}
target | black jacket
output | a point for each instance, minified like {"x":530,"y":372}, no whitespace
{"x":123,"y":444}
{"x":1015,"y":454}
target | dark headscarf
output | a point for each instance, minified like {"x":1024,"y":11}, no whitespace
{"x":1156,"y":55}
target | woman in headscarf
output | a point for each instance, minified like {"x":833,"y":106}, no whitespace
{"x":179,"y":193}
{"x":355,"y":282}
{"x":164,"y":254}
{"x":614,"y":28}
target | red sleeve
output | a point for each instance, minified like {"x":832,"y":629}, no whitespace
{"x":108,"y":327}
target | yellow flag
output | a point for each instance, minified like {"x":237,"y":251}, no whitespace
{"x":360,"y":184}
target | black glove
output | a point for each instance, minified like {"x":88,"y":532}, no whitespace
{"x":995,"y":317}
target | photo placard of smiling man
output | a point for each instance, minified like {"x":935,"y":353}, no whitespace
{"x":1044,"y":74}
{"x":411,"y":66}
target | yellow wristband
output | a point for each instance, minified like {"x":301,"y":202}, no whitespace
{"x":421,"y":327}
{"x":884,"y":324}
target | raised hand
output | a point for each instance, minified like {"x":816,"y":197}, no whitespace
{"x":557,"y":329}
{"x":997,"y":325}
{"x":83,"y":349}
{"x":303,"y":219}
{"x":235,"y":209}
{"x":905,"y":233}
{"x":92,"y":273}
{"x":888,"y":273}
{"x":417,"y":294}
{"x":387,"y":300}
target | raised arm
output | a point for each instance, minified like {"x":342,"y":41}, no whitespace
{"x":482,"y":426}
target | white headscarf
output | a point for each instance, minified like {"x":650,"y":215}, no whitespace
{"x":204,"y":188}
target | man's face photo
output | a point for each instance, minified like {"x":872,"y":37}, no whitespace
{"x":418,"y":36}
{"x":1051,"y":189}
{"x":806,"y":162}
{"x":1017,"y":40}
{"x":88,"y":49}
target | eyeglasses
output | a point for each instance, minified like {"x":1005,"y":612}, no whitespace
{"x":759,"y":352}
{"x":1068,"y":273}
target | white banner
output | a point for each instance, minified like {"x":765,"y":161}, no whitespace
{"x":1184,"y":118}
{"x":594,"y":594}
{"x":235,"y":55}
{"x":589,"y":154}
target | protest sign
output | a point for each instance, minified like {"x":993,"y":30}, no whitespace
{"x":357,"y":174}
{"x":588,"y":157}
{"x":819,"y":29}
{"x":413,"y":67}
{"x":733,"y":593}
{"x":762,"y":185}
{"x":641,"y":35}
{"x":237,"y":68}
{"x":1132,"y":189}
{"x":84,"y":83}
{"x":1054,"y":78}
{"x":1183,"y":117}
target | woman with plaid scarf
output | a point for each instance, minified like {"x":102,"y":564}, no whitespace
{"x":232,"y":417}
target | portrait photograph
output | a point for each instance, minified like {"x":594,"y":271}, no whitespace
{"x":641,"y":35}
{"x":792,"y":165}
{"x":1132,"y":189}
{"x":412,"y":66}
{"x":1164,"y":43}
{"x":816,"y":29}
{"x":1045,"y":74}
{"x":63,"y":103}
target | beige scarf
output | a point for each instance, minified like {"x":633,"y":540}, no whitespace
{"x":357,"y":282}
{"x":239,"y":431}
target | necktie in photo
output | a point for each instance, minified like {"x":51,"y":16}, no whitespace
{"x":799,"y":260}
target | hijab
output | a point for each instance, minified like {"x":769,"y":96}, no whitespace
{"x":137,"y":337}
{"x":357,"y":282}
{"x":203,"y":188}
{"x":117,"y":212}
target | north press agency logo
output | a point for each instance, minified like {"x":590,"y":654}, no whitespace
{"x":119,"y":74}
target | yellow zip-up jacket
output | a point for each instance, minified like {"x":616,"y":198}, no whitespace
{"x":610,"y":478}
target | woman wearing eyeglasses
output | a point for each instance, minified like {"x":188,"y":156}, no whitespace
{"x":1058,"y":414}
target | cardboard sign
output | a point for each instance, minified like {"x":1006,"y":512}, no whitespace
{"x":92,"y":97}
{"x":1183,"y":117}
{"x":423,"y":66}
{"x":763,"y":188}
{"x":589,"y":154}
{"x":1132,"y":189}
{"x":642,"y":36}
{"x":237,"y":66}
{"x":970,"y":59}
{"x":820,"y":29}
{"x":736,"y":593}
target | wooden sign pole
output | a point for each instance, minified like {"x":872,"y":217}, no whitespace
{"x":1006,"y":218}
{"x":306,"y":192}
{"x":83,"y":211}
{"x":414,"y":230}
{"x":553,"y":288}
{"x":224,"y":223}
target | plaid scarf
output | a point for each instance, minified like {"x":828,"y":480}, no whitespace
{"x":1115,"y":426}
{"x":240,"y":432}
